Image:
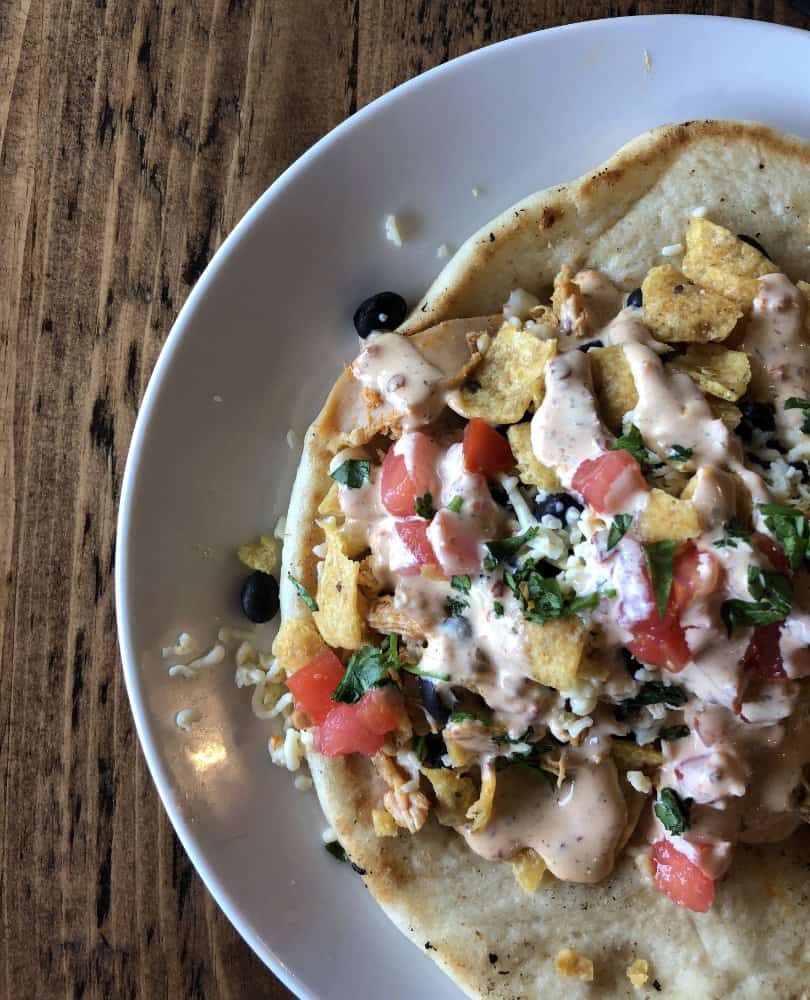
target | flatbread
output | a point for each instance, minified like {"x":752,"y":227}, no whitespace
{"x":620,"y":216}
{"x":470,"y":914}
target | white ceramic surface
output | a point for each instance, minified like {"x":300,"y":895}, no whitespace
{"x":266,"y":329}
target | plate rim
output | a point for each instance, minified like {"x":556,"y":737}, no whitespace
{"x":180,"y":330}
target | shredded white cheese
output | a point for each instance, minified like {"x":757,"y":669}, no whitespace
{"x":248,"y":676}
{"x":189,"y":670}
{"x":392,"y":233}
{"x":226,"y":634}
{"x":303,"y":782}
{"x":265,"y":700}
{"x":672,"y":250}
{"x":245,"y":654}
{"x":700,"y":212}
{"x":443,"y":251}
{"x":292,"y":439}
{"x":183,"y":646}
{"x":639,"y":781}
{"x":293,"y":750}
{"x":186,"y":718}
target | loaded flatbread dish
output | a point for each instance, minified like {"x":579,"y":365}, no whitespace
{"x":545,"y":598}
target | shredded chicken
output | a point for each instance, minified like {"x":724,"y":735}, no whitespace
{"x":403,"y":800}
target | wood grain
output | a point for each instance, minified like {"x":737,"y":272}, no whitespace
{"x":133,"y":136}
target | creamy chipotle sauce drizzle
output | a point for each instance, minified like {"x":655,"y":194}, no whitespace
{"x":392,"y":366}
{"x":576,"y":829}
{"x":742,"y":761}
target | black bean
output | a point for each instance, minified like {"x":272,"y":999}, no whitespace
{"x":260,"y":597}
{"x":556,"y":504}
{"x":458,"y":626}
{"x":630,"y":662}
{"x":435,"y":749}
{"x":635,"y":299}
{"x":754,"y":243}
{"x":755,"y":415}
{"x":586,"y":347}
{"x":802,"y":467}
{"x":383,"y":311}
{"x":433,"y":702}
{"x":499,"y":494}
{"x":546,"y":569}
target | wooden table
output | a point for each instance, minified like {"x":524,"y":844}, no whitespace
{"x":133,"y":136}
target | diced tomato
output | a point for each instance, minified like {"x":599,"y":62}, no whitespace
{"x":768,"y":548}
{"x":343,"y":732}
{"x":675,"y":876}
{"x":763,"y":660}
{"x":456,"y":541}
{"x":485,"y":450}
{"x":379,"y":710}
{"x":413,"y":534}
{"x":313,"y":684}
{"x":695,"y":574}
{"x":660,"y":642}
{"x":408,"y":473}
{"x":608,"y":482}
{"x":358,"y":728}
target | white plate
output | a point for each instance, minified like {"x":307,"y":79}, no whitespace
{"x":266,"y":330}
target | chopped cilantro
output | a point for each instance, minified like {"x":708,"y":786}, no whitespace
{"x":412,"y":668}
{"x":674,"y":733}
{"x":540,"y":597}
{"x":503,"y":548}
{"x":618,"y":529}
{"x":735,"y":531}
{"x":303,"y":593}
{"x":424,"y":507}
{"x":456,"y":504}
{"x":633,"y":443}
{"x":680,"y":454}
{"x":531,"y":758}
{"x":772,"y":593}
{"x":497,"y":607}
{"x":660,"y":559}
{"x":352,"y":473}
{"x":454,"y":606}
{"x":794,"y":403}
{"x":653,"y":693}
{"x":505,"y":738}
{"x":367,"y":668}
{"x":585,"y":602}
{"x":420,"y":747}
{"x":462,"y":583}
{"x":673,"y":811}
{"x":335,"y":848}
{"x":481,"y":717}
{"x":490,"y":563}
{"x":791,"y":530}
